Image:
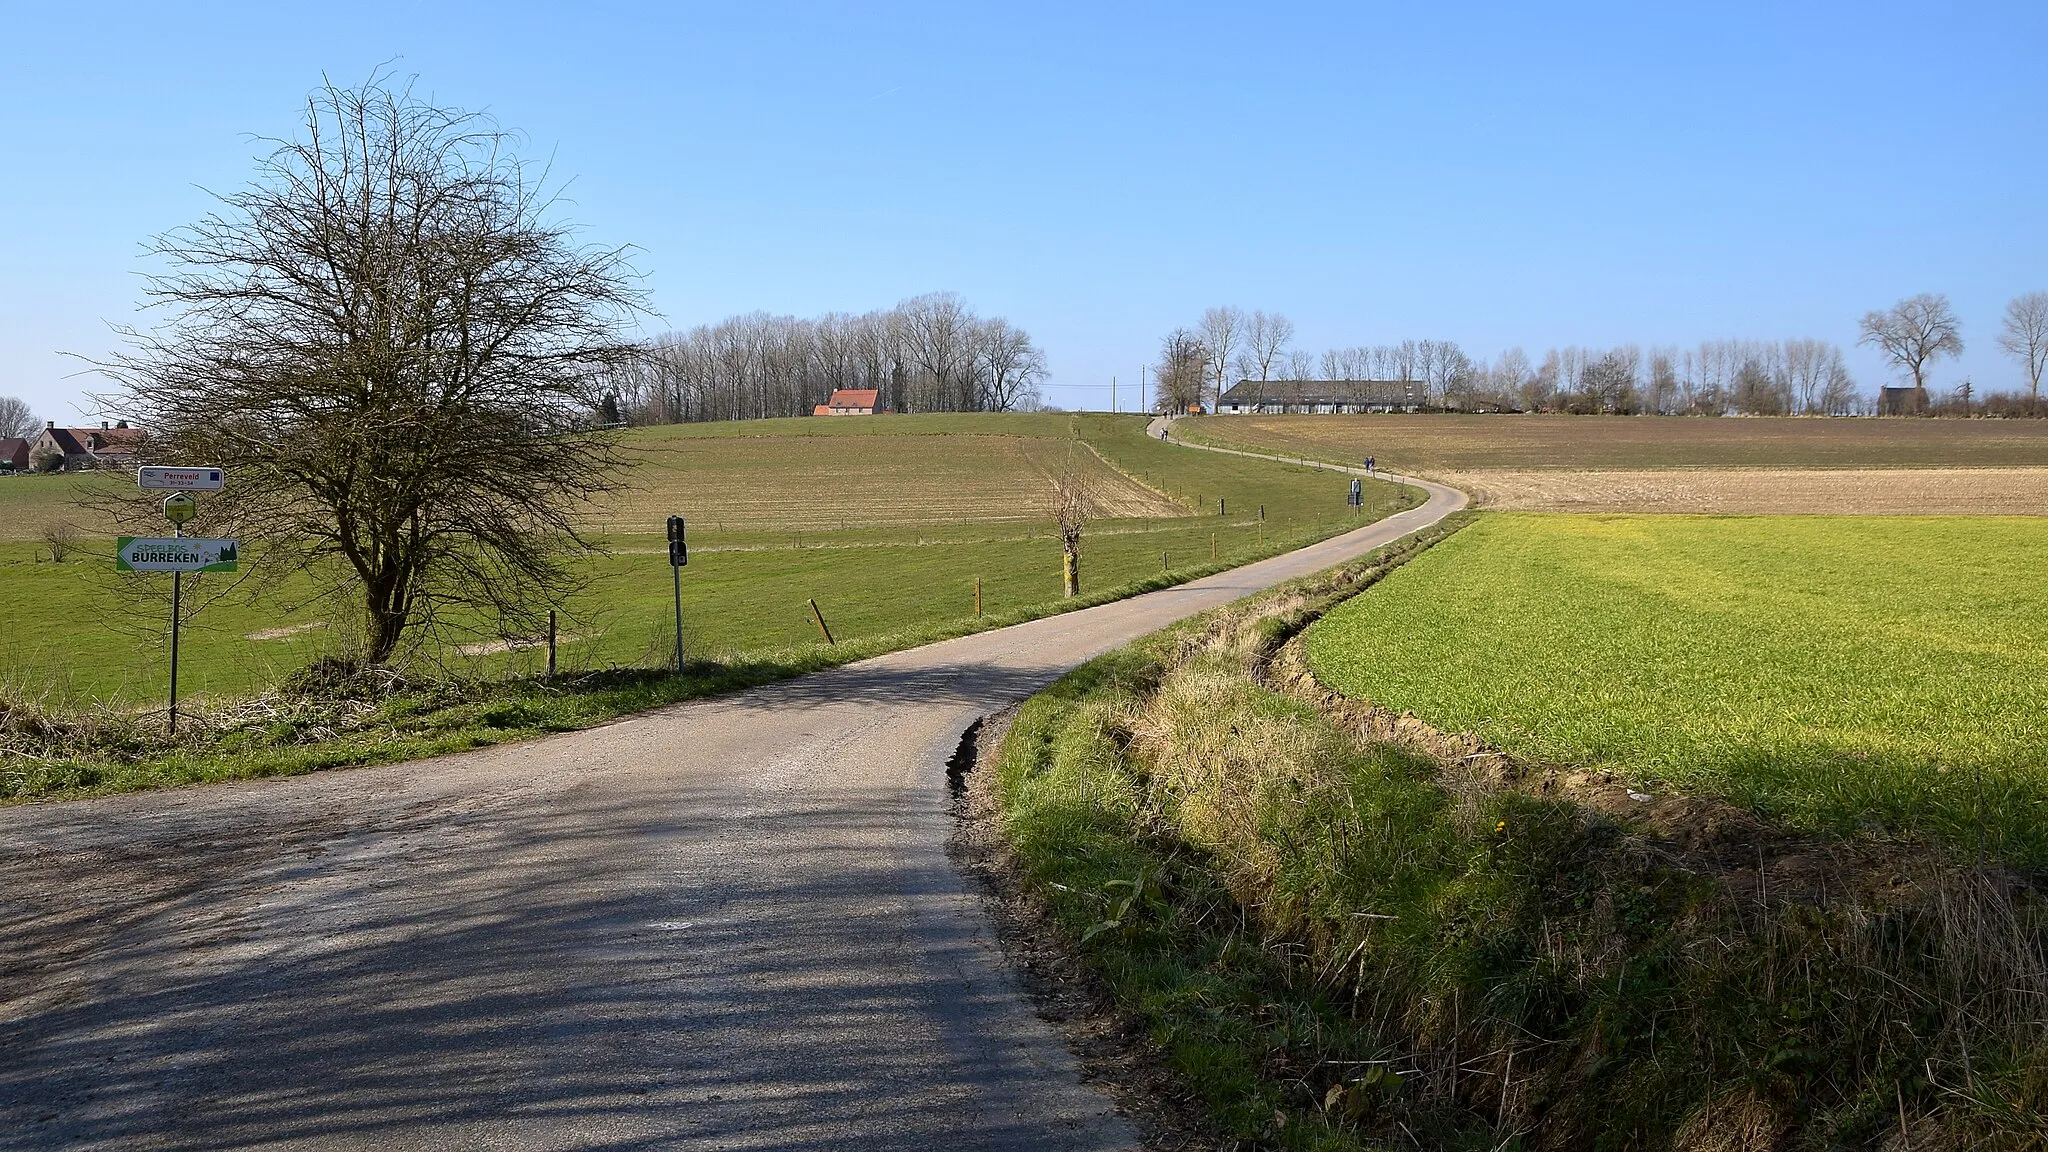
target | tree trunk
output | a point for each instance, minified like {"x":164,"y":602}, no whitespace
{"x":1071,"y":574}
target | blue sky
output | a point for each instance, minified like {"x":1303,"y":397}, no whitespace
{"x":1100,"y":173}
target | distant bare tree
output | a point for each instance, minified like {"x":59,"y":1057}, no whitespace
{"x":16,"y":418}
{"x":1660,"y":392}
{"x":1266,"y":336}
{"x":1838,"y":388}
{"x":1608,"y":382}
{"x":1181,"y":373}
{"x":2026,"y":338}
{"x":938,"y":331}
{"x":1222,"y":333}
{"x":1301,"y":364}
{"x":1510,"y":373}
{"x":1010,"y":366}
{"x":1914,"y":333}
{"x":395,"y":352}
{"x":1544,"y":386}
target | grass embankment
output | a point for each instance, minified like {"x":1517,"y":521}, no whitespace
{"x":1840,"y":674}
{"x":1345,"y":942}
{"x":1433,"y":443}
{"x":882,"y":583}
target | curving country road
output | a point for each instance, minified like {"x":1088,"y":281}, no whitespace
{"x":727,"y":924}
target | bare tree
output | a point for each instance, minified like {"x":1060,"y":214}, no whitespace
{"x":1071,"y":499}
{"x":1010,"y":366}
{"x":1838,"y":388}
{"x":2026,"y":338}
{"x":1301,"y":364}
{"x":937,"y":334}
{"x":1914,"y":333}
{"x":394,"y":350}
{"x":1266,"y":335}
{"x":1511,"y":372}
{"x":1180,"y":374}
{"x":1221,"y":334}
{"x":17,"y":419}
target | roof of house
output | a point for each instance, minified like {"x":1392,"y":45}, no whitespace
{"x":13,"y":448}
{"x":1250,"y":392}
{"x":854,"y":398}
{"x":112,"y":441}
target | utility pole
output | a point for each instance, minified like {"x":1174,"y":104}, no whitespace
{"x":1141,"y":388}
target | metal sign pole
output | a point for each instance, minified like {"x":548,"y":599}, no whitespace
{"x":132,"y":554}
{"x":177,"y":598}
{"x":678,"y":555}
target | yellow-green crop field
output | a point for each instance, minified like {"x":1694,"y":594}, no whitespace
{"x":1842,"y":673}
{"x":887,"y":522}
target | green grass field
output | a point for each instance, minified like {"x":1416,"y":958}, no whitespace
{"x":1430,"y":443}
{"x":887,"y":523}
{"x":1842,"y":673}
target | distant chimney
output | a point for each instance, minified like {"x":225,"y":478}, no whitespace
{"x":104,"y":425}
{"x":52,"y":425}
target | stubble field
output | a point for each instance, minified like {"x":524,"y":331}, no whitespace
{"x":1683,"y":464}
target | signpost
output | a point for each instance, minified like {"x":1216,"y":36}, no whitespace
{"x":177,"y":553}
{"x":1357,"y":497}
{"x":678,"y":555}
{"x":180,"y":479}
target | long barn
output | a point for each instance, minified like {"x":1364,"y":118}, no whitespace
{"x":1278,"y":396}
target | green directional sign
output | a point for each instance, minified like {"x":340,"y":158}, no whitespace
{"x":176,"y":554}
{"x":180,"y":507}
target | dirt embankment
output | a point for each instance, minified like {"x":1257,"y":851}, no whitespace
{"x":1746,"y":491}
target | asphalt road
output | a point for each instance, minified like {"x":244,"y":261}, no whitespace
{"x":728,"y":924}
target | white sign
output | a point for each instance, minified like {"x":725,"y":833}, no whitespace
{"x":181,"y":479}
{"x":176,"y":554}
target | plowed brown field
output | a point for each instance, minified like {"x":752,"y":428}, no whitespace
{"x":1740,"y":491}
{"x":853,"y":481}
{"x":1434,"y":444}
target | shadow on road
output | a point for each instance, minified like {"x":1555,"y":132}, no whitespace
{"x":534,"y":989}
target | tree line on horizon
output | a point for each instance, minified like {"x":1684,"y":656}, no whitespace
{"x":931,"y":353}
{"x":1197,"y":364}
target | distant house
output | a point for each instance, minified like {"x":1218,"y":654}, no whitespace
{"x":849,"y":402}
{"x":107,"y":446}
{"x":1903,"y":401}
{"x":1249,"y":397}
{"x":13,"y":454}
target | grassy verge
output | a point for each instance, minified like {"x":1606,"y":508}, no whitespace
{"x":1346,"y":939}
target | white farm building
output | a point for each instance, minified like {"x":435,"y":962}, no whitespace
{"x":1248,"y":397}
